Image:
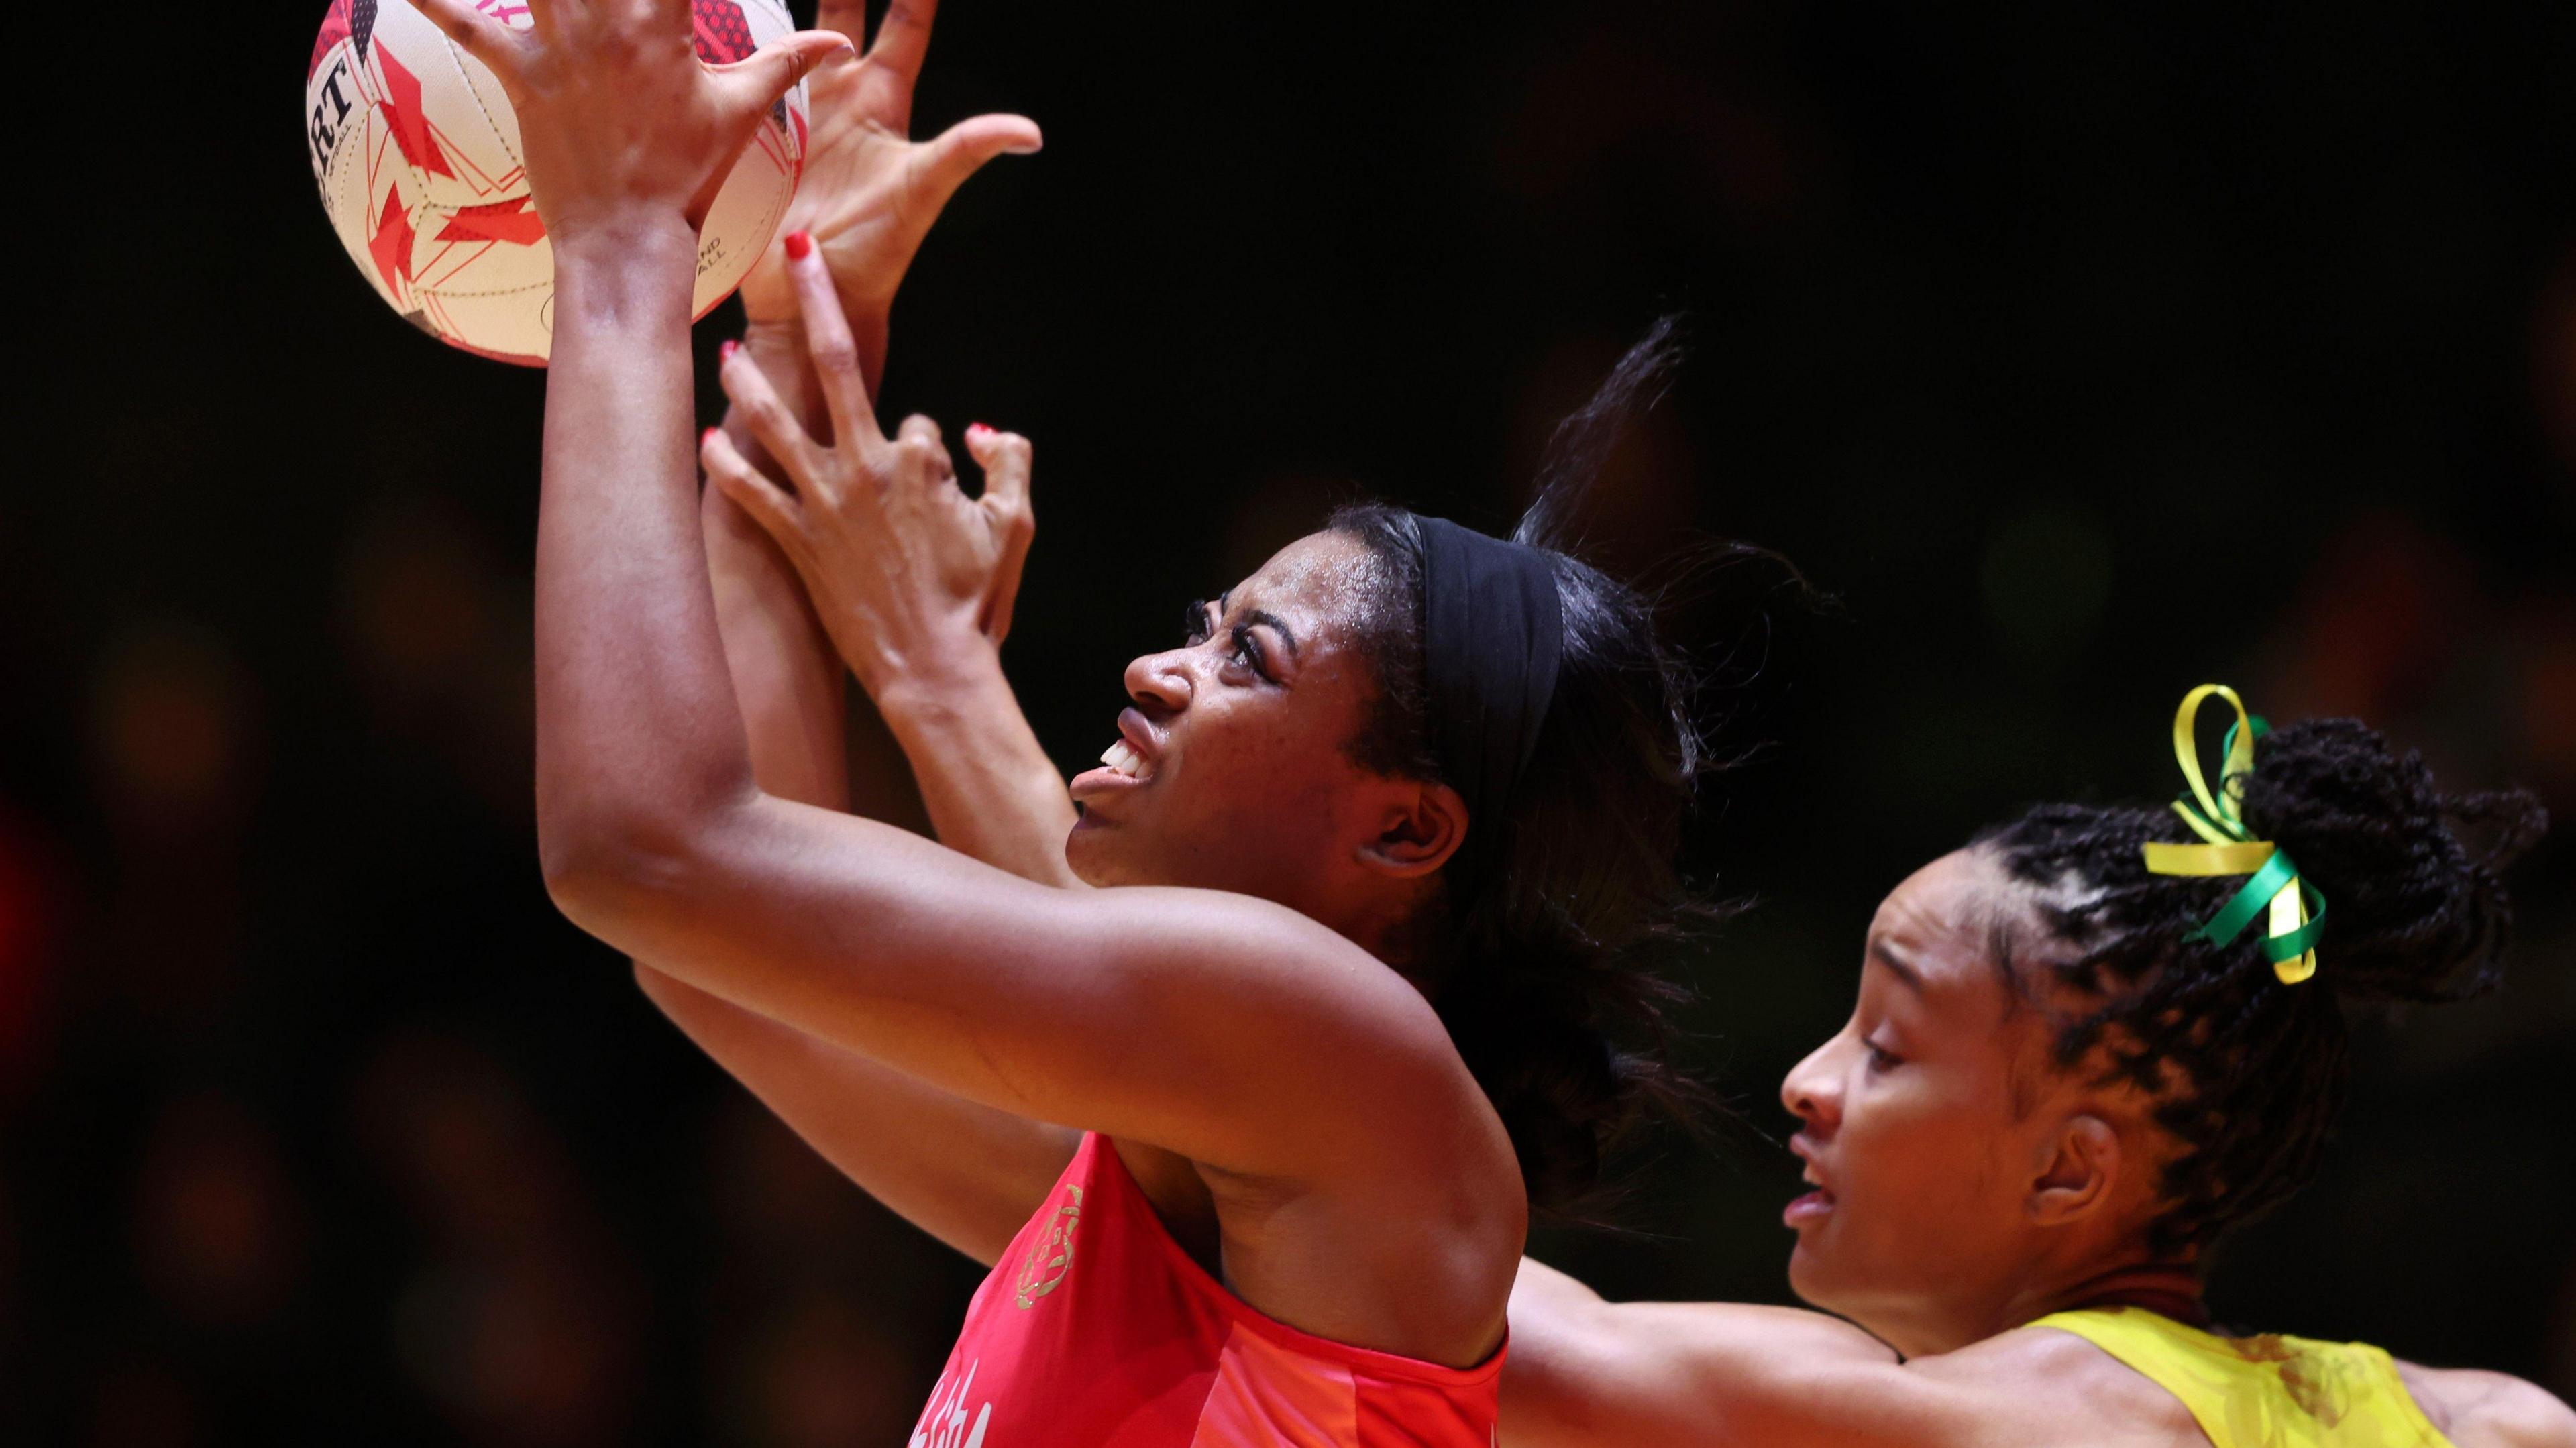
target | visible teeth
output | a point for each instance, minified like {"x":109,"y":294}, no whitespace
{"x":1123,"y":758}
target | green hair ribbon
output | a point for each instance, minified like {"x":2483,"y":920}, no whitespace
{"x":2298,"y":912}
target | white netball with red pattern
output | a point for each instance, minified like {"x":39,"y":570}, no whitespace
{"x":417,"y":154}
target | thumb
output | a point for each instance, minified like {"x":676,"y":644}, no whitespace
{"x":961,"y":150}
{"x":755,"y":82}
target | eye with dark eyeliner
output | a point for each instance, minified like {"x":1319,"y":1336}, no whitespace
{"x":1247,"y":649}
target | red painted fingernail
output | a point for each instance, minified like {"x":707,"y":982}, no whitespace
{"x":979,"y":427}
{"x":799,"y":245}
{"x":708,"y":436}
{"x":724,"y":353}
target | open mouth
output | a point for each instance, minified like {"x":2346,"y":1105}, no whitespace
{"x":1122,"y":766}
{"x":1122,"y":758}
{"x":1816,"y":1205}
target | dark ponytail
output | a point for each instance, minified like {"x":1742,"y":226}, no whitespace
{"x":1544,"y":974}
{"x":2249,"y":1071}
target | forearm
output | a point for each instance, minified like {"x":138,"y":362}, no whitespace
{"x":990,"y":789}
{"x":967,"y":1174}
{"x":638,"y":733}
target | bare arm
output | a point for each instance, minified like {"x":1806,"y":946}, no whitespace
{"x":990,"y":789}
{"x":1234,"y":1032}
{"x":1585,"y":1373}
{"x":965,"y":1173}
{"x":2476,"y":1409}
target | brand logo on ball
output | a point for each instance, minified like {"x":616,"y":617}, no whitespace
{"x":1050,"y":1257}
{"x":416,"y":153}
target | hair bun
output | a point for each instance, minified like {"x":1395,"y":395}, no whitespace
{"x":2411,"y":912}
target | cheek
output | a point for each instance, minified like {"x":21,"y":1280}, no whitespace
{"x":1928,"y":1164}
{"x":1265,"y":768}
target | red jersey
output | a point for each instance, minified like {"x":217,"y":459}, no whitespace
{"x":1095,"y":1330}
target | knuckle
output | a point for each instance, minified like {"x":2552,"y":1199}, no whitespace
{"x":837,"y":355}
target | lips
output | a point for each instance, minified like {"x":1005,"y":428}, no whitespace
{"x":1817,"y":1205}
{"x":1128,"y":764}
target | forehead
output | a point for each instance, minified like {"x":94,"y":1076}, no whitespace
{"x":1313,"y":581}
{"x":1945,"y":926}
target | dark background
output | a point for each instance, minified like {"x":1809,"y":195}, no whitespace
{"x":2083,"y":352}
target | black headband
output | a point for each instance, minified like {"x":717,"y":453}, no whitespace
{"x":1493,"y":633}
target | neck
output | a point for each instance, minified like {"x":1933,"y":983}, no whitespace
{"x":2167,"y":1287}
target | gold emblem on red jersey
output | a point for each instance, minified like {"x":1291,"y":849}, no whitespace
{"x":1050,"y":1257}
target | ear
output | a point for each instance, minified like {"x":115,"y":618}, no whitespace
{"x":2078,"y":1178}
{"x":1420,"y":827}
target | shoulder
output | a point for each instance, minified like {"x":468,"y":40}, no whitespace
{"x":2478,"y":1409}
{"x":2031,"y":1382}
{"x":1346,"y":1052}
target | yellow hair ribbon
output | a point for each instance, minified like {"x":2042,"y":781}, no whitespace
{"x":2297,"y":911}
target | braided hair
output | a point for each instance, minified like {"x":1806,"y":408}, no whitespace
{"x":2248,"y":1072}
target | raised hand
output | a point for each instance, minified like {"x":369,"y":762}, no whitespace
{"x":907,"y":573}
{"x":617,"y":115}
{"x":870,"y":192}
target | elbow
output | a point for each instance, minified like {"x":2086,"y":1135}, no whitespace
{"x":613,"y":872}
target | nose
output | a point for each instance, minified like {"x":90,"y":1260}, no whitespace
{"x":1160,"y":683}
{"x":1813,"y":1092}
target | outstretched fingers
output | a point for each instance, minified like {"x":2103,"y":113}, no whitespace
{"x":850,"y":17}
{"x":754,"y":83}
{"x":903,"y":38}
{"x":779,"y":432}
{"x":1007,"y":460}
{"x":779,"y":515}
{"x":961,"y":150}
{"x":485,"y":39}
{"x":835,"y":351}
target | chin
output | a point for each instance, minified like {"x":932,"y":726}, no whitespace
{"x":1103,"y":854}
{"x":1808,"y":1279}
{"x":1820,"y":1282}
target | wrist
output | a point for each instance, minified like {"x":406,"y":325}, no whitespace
{"x":595,"y":236}
{"x":932,"y":688}
{"x":614,"y":263}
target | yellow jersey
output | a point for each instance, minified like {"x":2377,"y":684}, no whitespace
{"x":2271,"y":1391}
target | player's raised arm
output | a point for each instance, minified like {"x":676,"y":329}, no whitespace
{"x":966,"y":1173}
{"x":1241,"y":1034}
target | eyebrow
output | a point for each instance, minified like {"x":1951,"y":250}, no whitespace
{"x":1880,"y":952}
{"x":1286,"y":634}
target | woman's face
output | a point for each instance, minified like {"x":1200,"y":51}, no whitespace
{"x":1231,"y":770}
{"x":1949,"y":1158}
